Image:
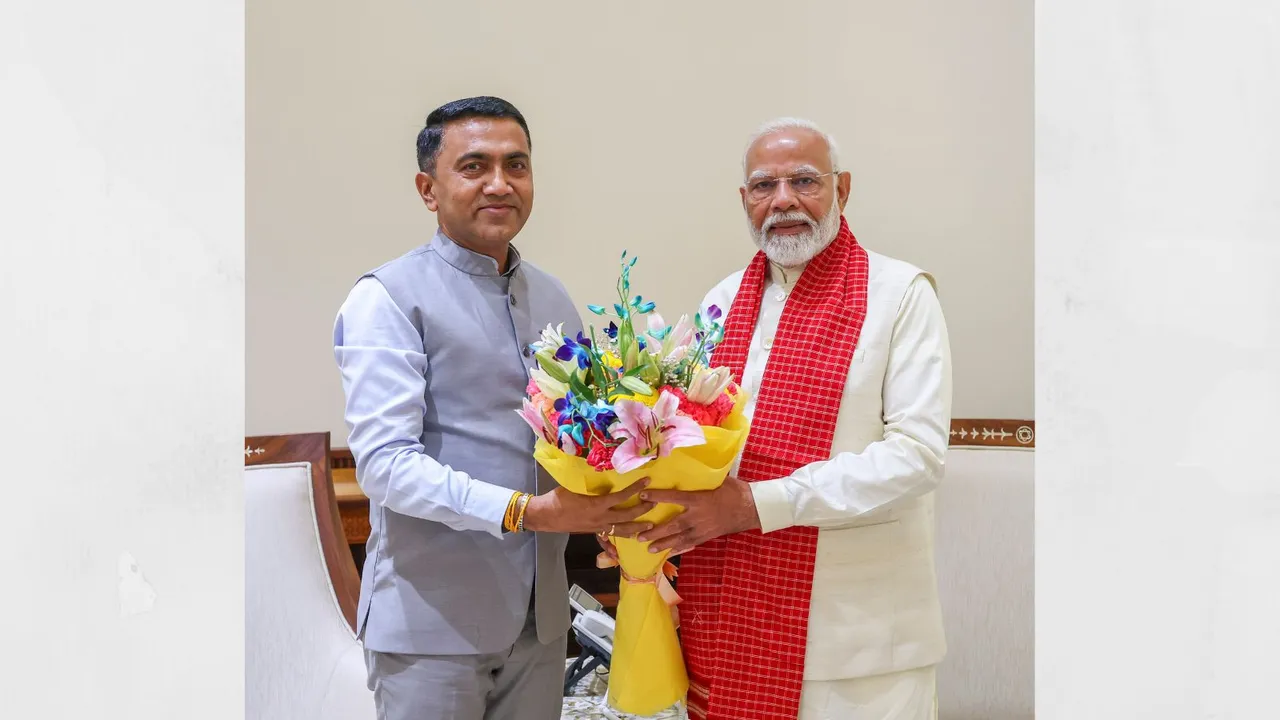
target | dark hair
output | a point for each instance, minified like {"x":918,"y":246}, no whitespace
{"x":431,"y":137}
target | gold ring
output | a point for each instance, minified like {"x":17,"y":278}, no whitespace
{"x":611,"y":529}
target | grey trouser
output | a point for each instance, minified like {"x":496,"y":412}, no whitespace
{"x":525,"y":682}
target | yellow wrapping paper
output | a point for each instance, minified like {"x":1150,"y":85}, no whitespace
{"x":647,"y":672}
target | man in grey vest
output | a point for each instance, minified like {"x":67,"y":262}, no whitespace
{"x":463,"y":611}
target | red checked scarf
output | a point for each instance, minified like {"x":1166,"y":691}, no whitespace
{"x":745,"y":613}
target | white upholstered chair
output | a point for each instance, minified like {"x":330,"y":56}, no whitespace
{"x":986,"y":579}
{"x":302,"y":660}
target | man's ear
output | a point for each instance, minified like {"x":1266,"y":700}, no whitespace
{"x":843,"y":182}
{"x":427,"y":190}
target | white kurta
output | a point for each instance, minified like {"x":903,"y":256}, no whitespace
{"x":875,"y":609}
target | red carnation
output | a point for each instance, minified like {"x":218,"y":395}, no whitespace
{"x":601,"y":457}
{"x":532,"y":388}
{"x":712,"y":414}
{"x":721,"y":408}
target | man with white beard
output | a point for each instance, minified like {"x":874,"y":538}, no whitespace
{"x":808,"y":587}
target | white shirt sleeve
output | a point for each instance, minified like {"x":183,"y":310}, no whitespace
{"x":908,"y":462}
{"x":384,"y":371}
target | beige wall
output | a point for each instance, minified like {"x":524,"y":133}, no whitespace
{"x":638,"y":115}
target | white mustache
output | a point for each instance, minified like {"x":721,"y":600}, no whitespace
{"x":776,"y":218}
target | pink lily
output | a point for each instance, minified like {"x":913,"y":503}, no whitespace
{"x":536,"y":420}
{"x":676,"y":344}
{"x":651,"y":432}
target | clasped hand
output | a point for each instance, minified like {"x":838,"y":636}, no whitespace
{"x":561,"y":511}
{"x":707,"y":514}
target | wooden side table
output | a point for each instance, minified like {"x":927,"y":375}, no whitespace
{"x":352,"y":505}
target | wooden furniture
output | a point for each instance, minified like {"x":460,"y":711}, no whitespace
{"x":302,"y":656}
{"x":353,"y":506}
{"x":968,"y":432}
{"x":314,"y":448}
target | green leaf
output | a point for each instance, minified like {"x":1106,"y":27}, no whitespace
{"x":580,"y":389}
{"x":636,"y":386}
{"x":598,"y":371}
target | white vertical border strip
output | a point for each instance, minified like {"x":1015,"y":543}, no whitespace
{"x":1157,"y":370}
{"x":122,"y":308}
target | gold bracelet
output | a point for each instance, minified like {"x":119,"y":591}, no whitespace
{"x":509,"y":518}
{"x":523,"y":505}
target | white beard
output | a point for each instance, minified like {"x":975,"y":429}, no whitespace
{"x":792,"y":251}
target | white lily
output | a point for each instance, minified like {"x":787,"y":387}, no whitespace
{"x":553,"y":337}
{"x":708,"y":384}
{"x":549,"y":386}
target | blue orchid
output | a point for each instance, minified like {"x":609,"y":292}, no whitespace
{"x":575,"y":429}
{"x":577,"y":417}
{"x":571,"y":423}
{"x":641,"y":306}
{"x":602,"y":416}
{"x":580,"y":349}
{"x":713,"y":314}
{"x":708,"y":335}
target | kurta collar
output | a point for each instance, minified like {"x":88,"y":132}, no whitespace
{"x":471,"y":262}
{"x":785,"y":277}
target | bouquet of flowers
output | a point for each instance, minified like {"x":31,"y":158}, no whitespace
{"x":637,"y":401}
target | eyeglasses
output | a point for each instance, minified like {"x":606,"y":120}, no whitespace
{"x":763,"y":188}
